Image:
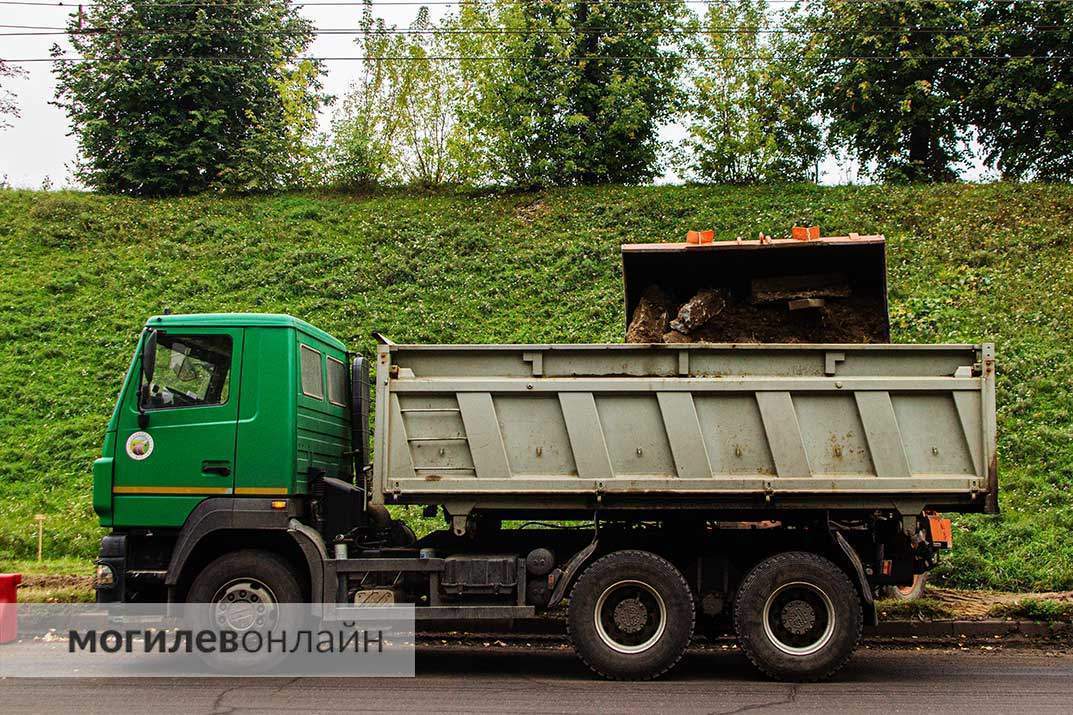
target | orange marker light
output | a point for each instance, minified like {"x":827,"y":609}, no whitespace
{"x":805,"y":233}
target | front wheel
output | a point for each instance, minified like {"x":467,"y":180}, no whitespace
{"x":245,"y":591}
{"x":631,"y":615}
{"x":798,"y":616}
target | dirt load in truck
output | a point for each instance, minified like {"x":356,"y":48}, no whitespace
{"x":823,"y":290}
{"x":653,"y":490}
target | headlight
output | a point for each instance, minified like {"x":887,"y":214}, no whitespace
{"x":105,"y":576}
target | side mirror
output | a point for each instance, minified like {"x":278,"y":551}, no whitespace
{"x":149,"y":356}
{"x":148,"y":368}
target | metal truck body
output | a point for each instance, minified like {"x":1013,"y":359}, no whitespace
{"x":765,"y":489}
{"x":530,"y":427}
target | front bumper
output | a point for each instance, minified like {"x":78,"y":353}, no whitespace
{"x":114,"y":556}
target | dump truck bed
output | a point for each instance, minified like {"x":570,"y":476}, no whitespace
{"x":516,"y":427}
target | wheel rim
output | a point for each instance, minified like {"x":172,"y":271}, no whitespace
{"x":244,"y":604}
{"x":799,"y":618}
{"x":630,"y":616}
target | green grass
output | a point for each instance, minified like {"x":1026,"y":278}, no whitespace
{"x":60,"y":594}
{"x":1035,"y":609}
{"x":62,"y":580}
{"x":81,"y":272}
{"x":48,"y":567}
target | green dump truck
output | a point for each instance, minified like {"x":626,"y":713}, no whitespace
{"x":656,"y":490}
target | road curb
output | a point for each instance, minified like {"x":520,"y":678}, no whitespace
{"x":991,"y":628}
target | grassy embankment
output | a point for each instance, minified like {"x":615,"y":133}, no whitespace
{"x":81,"y":272}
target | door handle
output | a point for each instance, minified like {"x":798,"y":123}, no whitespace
{"x":220,"y":470}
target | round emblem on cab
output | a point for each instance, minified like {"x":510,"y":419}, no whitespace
{"x":139,"y":446}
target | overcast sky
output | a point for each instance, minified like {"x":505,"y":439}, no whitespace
{"x":37,"y":148}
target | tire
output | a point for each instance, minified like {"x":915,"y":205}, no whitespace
{"x":911,"y":592}
{"x":264,"y":567}
{"x":631,"y":616}
{"x":798,"y":617}
{"x":239,"y":591}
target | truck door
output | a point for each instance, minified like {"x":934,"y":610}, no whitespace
{"x":186,"y":452}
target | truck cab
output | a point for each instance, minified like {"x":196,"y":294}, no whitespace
{"x":217,"y":409}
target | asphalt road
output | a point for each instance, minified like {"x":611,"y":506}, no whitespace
{"x":511,"y":681}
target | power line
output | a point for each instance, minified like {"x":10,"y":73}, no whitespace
{"x":239,"y":61}
{"x":678,"y":30}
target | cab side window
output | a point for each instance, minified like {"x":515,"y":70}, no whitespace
{"x":191,"y":371}
{"x":336,"y":382}
{"x":312,"y":373}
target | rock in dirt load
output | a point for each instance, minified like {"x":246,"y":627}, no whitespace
{"x":650,"y":318}
{"x":699,"y":310}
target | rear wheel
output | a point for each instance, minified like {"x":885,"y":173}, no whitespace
{"x":631,"y":615}
{"x":798,"y":616}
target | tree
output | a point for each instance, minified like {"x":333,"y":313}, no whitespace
{"x":363,"y":151}
{"x":750,"y":115}
{"x":398,"y":122}
{"x":438,"y":148}
{"x":8,"y":107}
{"x":176,"y":98}
{"x":886,"y":86}
{"x":1023,"y":106}
{"x":517,"y":106}
{"x":623,"y":88}
{"x":574,"y":92}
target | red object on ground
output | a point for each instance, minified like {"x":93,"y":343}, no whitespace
{"x":9,"y":622}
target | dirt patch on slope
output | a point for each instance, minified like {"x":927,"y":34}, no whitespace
{"x":988,"y":604}
{"x":57,"y":581}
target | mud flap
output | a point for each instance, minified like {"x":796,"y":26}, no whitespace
{"x":871,"y":617}
{"x":565,"y":575}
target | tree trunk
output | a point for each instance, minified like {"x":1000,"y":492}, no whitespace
{"x":587,"y":102}
{"x":920,"y":145}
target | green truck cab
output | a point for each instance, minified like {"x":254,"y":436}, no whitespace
{"x":229,"y":405}
{"x":221,"y":423}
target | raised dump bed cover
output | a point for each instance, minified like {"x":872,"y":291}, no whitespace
{"x":824,"y":426}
